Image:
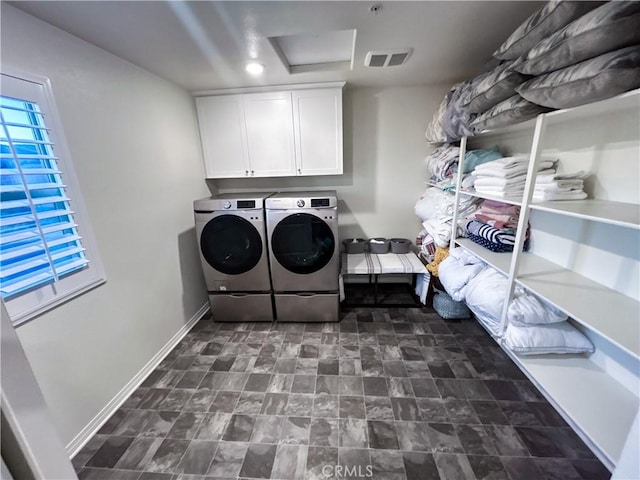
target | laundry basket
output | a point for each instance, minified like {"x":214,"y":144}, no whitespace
{"x":448,"y":308}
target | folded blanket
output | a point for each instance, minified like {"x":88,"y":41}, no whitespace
{"x":498,"y":221}
{"x":491,"y":206}
{"x":492,"y":234}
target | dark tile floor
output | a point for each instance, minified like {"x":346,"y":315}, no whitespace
{"x":389,"y":394}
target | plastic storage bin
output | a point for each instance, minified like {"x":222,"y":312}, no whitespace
{"x":354,"y":245}
{"x":378,"y":245}
{"x":400,"y":245}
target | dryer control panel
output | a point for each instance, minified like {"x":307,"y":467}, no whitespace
{"x":302,"y":200}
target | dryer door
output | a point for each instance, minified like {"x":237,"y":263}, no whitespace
{"x":302,"y":243}
{"x":230,"y":244}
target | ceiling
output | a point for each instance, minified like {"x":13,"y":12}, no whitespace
{"x":205,"y":45}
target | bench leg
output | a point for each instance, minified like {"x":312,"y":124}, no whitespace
{"x":375,"y":289}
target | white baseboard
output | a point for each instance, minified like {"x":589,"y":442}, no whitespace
{"x":100,"y":419}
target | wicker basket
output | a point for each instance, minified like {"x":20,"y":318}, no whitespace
{"x":448,"y":308}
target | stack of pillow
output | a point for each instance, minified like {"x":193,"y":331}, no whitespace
{"x":567,"y":54}
{"x":532,"y":325}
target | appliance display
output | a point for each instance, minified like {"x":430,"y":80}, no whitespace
{"x":231,"y":235}
{"x":302,"y":229}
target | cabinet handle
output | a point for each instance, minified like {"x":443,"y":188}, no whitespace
{"x":252,"y":172}
{"x":299,"y":171}
{"x":246,"y":173}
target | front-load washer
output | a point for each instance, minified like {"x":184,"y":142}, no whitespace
{"x":231,"y":234}
{"x":302,"y":229}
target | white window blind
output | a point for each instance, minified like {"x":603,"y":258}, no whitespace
{"x":45,"y":253}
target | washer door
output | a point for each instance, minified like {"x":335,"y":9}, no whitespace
{"x":302,"y":243}
{"x":231,"y":244}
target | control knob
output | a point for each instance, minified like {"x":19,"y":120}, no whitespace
{"x":300,"y":203}
{"x":227,"y":205}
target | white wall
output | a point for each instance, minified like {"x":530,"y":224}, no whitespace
{"x":384,"y":171}
{"x":134,"y":144}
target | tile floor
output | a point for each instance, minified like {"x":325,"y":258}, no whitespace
{"x":388,"y":394}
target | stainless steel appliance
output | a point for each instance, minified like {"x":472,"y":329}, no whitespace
{"x":304,"y":255}
{"x":233,"y":249}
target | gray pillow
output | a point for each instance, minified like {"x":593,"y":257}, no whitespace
{"x":513,"y":110}
{"x":610,"y":27}
{"x":491,"y":88}
{"x":434,"y":132}
{"x":456,"y":119}
{"x":552,"y":17}
{"x":589,"y":81}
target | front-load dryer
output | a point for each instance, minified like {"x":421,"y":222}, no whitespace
{"x":231,"y":234}
{"x":304,"y":255}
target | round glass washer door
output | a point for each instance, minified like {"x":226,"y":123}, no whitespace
{"x":302,"y":243}
{"x":231,"y":244}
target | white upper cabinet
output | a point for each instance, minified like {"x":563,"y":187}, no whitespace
{"x":223,"y":136}
{"x":272,"y":133}
{"x":317,"y":118}
{"x":269,"y":128}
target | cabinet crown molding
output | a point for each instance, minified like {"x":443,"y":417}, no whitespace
{"x":268,"y":88}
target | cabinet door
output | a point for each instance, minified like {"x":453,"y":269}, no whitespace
{"x":269,"y":134}
{"x":221,"y":121}
{"x":318,"y":131}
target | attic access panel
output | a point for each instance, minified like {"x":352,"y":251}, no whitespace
{"x":316,"y":51}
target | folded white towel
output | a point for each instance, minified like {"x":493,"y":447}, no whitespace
{"x":559,"y":186}
{"x":544,"y":196}
{"x":511,"y":172}
{"x":499,"y":181}
{"x":512,"y":162}
{"x":544,"y":177}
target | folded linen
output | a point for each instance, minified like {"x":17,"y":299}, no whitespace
{"x":499,"y":181}
{"x":504,"y":221}
{"x":560,"y":186}
{"x":497,"y":171}
{"x":551,"y":177}
{"x":492,"y":234}
{"x":544,"y":196}
{"x":492,"y":206}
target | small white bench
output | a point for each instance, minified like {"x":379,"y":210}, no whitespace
{"x":372,"y":264}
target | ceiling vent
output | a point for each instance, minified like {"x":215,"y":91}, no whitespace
{"x":387,"y":58}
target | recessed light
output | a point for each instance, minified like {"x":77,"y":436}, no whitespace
{"x":255,"y":68}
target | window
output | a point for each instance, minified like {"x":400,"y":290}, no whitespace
{"x":47,"y":253}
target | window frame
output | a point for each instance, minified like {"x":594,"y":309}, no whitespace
{"x":25,"y":307}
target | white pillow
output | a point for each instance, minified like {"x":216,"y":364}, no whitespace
{"x":555,"y":338}
{"x":485,"y":294}
{"x":525,"y":309}
{"x":454,"y":275}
